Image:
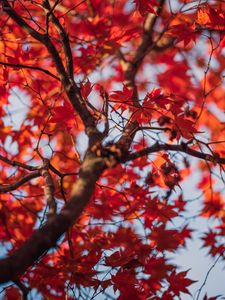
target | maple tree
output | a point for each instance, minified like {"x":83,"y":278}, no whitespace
{"x":124,"y":101}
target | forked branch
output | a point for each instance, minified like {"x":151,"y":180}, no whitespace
{"x":46,"y":237}
{"x":183,"y":147}
{"x":69,"y":85}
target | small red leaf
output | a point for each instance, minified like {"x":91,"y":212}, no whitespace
{"x":86,"y":89}
{"x":64,"y":115}
{"x":145,"y":6}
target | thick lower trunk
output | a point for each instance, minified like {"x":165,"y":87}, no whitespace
{"x":47,"y":236}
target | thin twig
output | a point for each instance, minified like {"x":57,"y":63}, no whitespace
{"x":25,"y":290}
{"x":29,"y":67}
{"x":206,"y":277}
{"x":17,"y":164}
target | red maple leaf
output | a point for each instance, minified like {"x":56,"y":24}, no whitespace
{"x":183,"y":32}
{"x":64,"y":115}
{"x":122,"y":98}
{"x":146,"y":6}
{"x":86,"y":89}
{"x":179,"y":283}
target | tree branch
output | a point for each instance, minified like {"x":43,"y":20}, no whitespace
{"x":147,"y":40}
{"x":29,"y":67}
{"x":131,"y":68}
{"x":11,"y":12}
{"x":49,"y":189}
{"x":69,"y":85}
{"x":25,"y":290}
{"x":64,"y":38}
{"x":46,"y":237}
{"x":21,"y":181}
{"x":17,"y":164}
{"x":177,"y":148}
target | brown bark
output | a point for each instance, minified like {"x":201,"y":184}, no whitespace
{"x":46,"y":237}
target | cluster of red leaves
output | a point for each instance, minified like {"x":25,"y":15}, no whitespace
{"x":128,"y":228}
{"x":168,"y":110}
